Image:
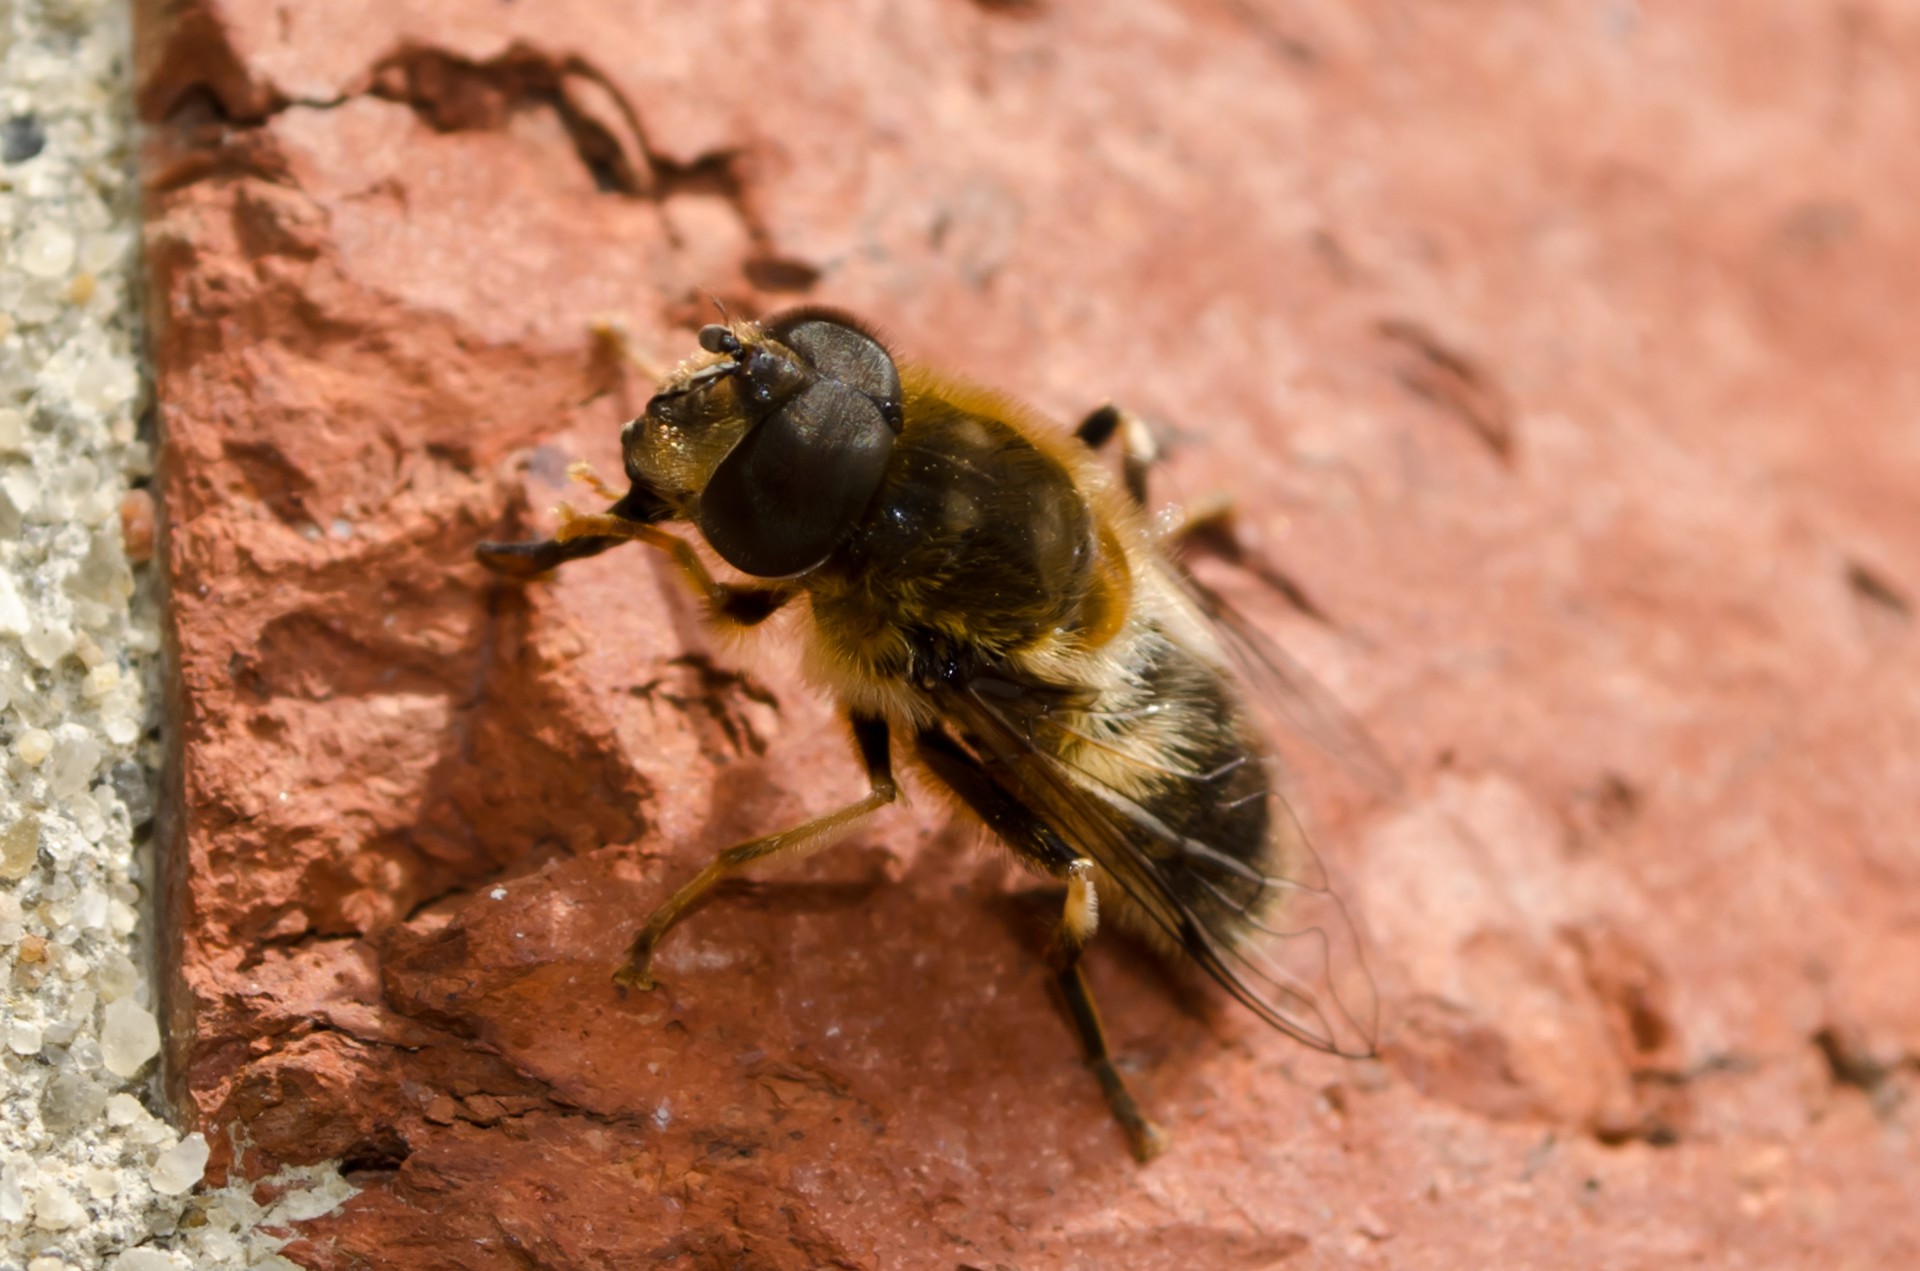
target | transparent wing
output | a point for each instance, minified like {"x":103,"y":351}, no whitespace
{"x":1280,"y":942}
{"x":1279,"y":686}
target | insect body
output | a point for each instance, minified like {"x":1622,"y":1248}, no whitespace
{"x":979,"y":585}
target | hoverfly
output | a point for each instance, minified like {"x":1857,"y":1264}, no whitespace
{"x":978,"y":584}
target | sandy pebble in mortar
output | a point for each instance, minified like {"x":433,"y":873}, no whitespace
{"x":93,"y":1173}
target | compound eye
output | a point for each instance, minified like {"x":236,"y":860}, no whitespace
{"x":794,"y":488}
{"x":840,"y":351}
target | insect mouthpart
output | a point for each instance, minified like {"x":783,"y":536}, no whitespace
{"x":703,"y":377}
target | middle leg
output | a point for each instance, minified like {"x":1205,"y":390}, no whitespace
{"x":871,"y":736}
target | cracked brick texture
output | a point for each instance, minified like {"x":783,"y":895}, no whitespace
{"x":1560,"y":354}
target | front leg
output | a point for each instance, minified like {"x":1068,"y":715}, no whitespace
{"x":871,"y":736}
{"x":630,"y":519}
{"x":535,"y":557}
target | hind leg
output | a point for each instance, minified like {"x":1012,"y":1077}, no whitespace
{"x":1078,"y":922}
{"x":1016,"y":826}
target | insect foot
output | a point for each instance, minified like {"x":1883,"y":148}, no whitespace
{"x":636,"y":974}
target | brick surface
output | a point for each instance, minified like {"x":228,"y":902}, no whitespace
{"x":1561,"y":354}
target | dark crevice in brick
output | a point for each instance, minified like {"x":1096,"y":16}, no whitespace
{"x":1851,"y":1064}
{"x":383,"y":1153}
{"x":1270,"y":35}
{"x":451,"y":93}
{"x":1870,"y":587}
{"x":1454,"y":382}
{"x":714,"y":698}
{"x":455,"y":94}
{"x":774,"y":273}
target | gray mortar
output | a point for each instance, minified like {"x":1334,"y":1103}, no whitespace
{"x":92,"y":1171}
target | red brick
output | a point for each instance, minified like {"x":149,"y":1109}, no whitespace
{"x":1562,"y":354}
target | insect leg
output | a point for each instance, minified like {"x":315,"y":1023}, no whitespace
{"x":1146,"y":1139}
{"x":1020,"y":829}
{"x":1078,"y":921}
{"x":582,"y":471}
{"x":871,"y":736}
{"x":537,"y":556}
{"x":1211,"y":525}
{"x":588,"y":534}
{"x":727,"y":602}
{"x":534,"y":558}
{"x":1138,"y":449}
{"x":611,"y":342}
